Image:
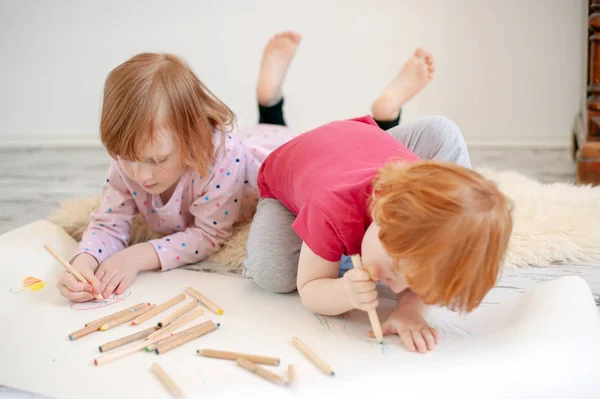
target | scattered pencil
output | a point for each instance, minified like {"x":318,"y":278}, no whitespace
{"x":373,"y":318}
{"x":159,"y":309}
{"x":178,"y":313}
{"x":83,"y":332}
{"x":185,"y":337}
{"x":125,"y":318}
{"x":258,"y":359}
{"x":126,"y":340}
{"x":167,"y":336}
{"x":69,"y":268}
{"x":119,"y":353}
{"x":166,"y":380}
{"x":110,"y":317}
{"x":259,"y":370}
{"x":204,"y":300}
{"x":175,"y":324}
{"x":312,"y":356}
{"x":292,"y":376}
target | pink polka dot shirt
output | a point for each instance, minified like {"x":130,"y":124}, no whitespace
{"x":200,"y":214}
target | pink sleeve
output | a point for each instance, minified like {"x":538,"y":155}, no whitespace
{"x":110,"y":223}
{"x":215,"y":212}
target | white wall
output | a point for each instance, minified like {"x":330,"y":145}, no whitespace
{"x":508,"y":71}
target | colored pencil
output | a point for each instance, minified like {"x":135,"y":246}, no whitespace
{"x":204,"y":300}
{"x":69,"y":268}
{"x":166,"y":380}
{"x":185,"y":337}
{"x":116,"y":315}
{"x":175,"y":324}
{"x":258,"y":359}
{"x":159,"y":309}
{"x":178,"y":313}
{"x":161,"y":339}
{"x":83,"y":332}
{"x":126,"y":340}
{"x":261,"y":371}
{"x":125,"y":318}
{"x":119,"y":353}
{"x":312,"y":356}
{"x":373,"y":318}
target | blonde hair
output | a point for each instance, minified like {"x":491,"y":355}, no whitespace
{"x":135,"y":90}
{"x":446,"y":227}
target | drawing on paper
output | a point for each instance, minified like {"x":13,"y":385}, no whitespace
{"x":95,"y":304}
{"x":29,"y":283}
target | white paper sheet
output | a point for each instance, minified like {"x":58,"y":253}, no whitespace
{"x":541,"y":344}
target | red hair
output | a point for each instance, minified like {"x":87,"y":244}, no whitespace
{"x":135,"y":90}
{"x":446,"y":227}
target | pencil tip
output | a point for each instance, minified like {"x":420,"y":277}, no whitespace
{"x":70,"y":338}
{"x":95,"y":362}
{"x":333,"y":374}
{"x":100,"y":348}
{"x":156,"y":350}
{"x":220,"y":311}
{"x":102,"y":328}
{"x":218,"y":325}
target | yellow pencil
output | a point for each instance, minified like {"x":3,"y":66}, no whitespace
{"x":373,"y":318}
{"x":116,"y":315}
{"x":69,"y":268}
{"x":204,"y":300}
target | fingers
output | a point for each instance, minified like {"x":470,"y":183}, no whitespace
{"x":356,"y":275}
{"x":94,"y":283}
{"x":419,"y":341}
{"x":123,"y":286}
{"x":407,"y":340}
{"x":363,"y":286}
{"x":436,"y":335}
{"x":110,"y":287}
{"x":429,"y":338}
{"x":74,"y":290}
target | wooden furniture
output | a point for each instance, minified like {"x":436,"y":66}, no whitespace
{"x":586,"y":143}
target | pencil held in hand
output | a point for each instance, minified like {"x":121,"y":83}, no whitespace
{"x":373,"y":318}
{"x":68,"y":267}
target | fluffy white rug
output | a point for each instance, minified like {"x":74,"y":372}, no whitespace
{"x":553,"y":223}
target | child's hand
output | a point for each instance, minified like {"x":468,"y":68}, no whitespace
{"x":117,"y":273}
{"x":413,"y":330}
{"x":73,"y":289}
{"x":361,"y":291}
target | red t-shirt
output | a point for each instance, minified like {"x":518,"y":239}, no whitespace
{"x":325,"y":177}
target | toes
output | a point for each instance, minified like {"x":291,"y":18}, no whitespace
{"x":420,"y":52}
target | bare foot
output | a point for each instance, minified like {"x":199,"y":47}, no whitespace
{"x":276,"y":59}
{"x":416,"y":72}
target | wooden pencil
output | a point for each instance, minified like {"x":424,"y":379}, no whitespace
{"x":166,"y":380}
{"x":185,"y":337}
{"x":175,"y":324}
{"x":178,"y":313}
{"x":259,"y":370}
{"x":312,"y":356}
{"x":69,"y":268}
{"x":373,"y":318}
{"x":126,"y":340}
{"x":121,"y":352}
{"x":292,"y":375}
{"x":159,"y":309}
{"x":116,"y":315}
{"x":83,"y":332}
{"x":125,"y":318}
{"x":204,"y":300}
{"x":170,"y":336}
{"x":258,"y":359}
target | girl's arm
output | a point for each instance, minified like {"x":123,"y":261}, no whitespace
{"x":217,"y":207}
{"x":110,"y":223}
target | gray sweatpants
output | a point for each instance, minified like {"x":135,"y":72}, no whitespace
{"x":273,"y":247}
